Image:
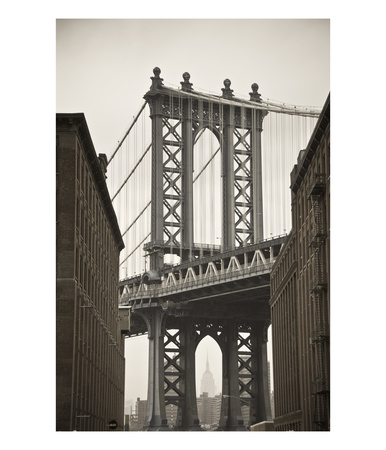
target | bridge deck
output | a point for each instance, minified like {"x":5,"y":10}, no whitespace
{"x":235,"y":283}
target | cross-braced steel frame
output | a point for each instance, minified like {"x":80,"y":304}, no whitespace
{"x":178,"y":119}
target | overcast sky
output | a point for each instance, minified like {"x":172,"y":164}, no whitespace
{"x":104,"y":69}
{"x":104,"y":66}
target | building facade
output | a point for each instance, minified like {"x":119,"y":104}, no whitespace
{"x":90,"y":363}
{"x":208,"y":410}
{"x":300,"y":294}
{"x":137,"y":419}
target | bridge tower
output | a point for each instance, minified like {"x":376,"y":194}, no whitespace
{"x":178,"y":117}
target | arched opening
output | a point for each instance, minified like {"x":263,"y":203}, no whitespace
{"x":208,"y":382}
{"x":270,"y":369}
{"x":207,"y":188}
{"x":171,"y":259}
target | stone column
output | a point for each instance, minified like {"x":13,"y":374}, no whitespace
{"x":261,"y":409}
{"x":190,"y":421}
{"x":228,"y":232}
{"x":231,"y":418}
{"x":187,"y":175}
{"x":154,"y":99}
{"x":155,"y":412}
{"x":257,"y":128}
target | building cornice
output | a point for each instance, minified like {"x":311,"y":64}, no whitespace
{"x":307,"y":155}
{"x":76,"y":123}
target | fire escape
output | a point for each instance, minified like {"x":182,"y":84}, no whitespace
{"x":318,"y":290}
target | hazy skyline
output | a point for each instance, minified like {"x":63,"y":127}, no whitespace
{"x":104,"y":67}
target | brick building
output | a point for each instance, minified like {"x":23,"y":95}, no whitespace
{"x":90,"y":361}
{"x":300,"y":294}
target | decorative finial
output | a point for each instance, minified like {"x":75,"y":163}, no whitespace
{"x":186,"y":85}
{"x":156,"y":80}
{"x":254,"y":95}
{"x":227,"y":91}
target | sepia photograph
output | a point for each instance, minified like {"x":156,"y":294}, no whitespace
{"x":193,"y":221}
{"x":186,"y":232}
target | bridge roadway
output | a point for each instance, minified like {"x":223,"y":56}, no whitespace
{"x":232,"y":284}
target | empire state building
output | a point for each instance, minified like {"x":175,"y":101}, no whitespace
{"x":207,"y":381}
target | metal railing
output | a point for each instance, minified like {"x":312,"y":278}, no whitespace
{"x":320,"y":334}
{"x":317,"y":185}
{"x":320,"y":386}
{"x":155,"y":291}
{"x":264,"y":244}
{"x":318,"y":282}
{"x":195,"y":246}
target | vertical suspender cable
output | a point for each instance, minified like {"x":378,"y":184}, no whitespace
{"x":201,"y":182}
{"x":212,"y":185}
{"x":221,"y":115}
{"x":127,"y":133}
{"x":283,"y":149}
{"x":275,"y":180}
{"x":182,"y":168}
{"x":135,"y":209}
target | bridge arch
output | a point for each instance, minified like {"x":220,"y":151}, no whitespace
{"x":209,"y":370}
{"x":207,"y":186}
{"x":202,"y":128}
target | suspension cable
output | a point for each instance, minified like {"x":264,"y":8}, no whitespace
{"x":267,"y":105}
{"x":131,"y":173}
{"x":207,"y":164}
{"x":128,"y":131}
{"x":136,"y":248}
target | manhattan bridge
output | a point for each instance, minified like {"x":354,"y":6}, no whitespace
{"x":200,"y":186}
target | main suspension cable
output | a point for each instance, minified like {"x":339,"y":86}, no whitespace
{"x":132,"y":172}
{"x":127,"y":133}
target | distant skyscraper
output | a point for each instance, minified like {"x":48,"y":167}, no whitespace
{"x":207,"y":381}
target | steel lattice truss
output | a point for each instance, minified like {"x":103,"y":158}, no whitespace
{"x":174,"y":373}
{"x":247,"y":374}
{"x":179,"y":121}
{"x":172,"y":173}
{"x":243,"y":187}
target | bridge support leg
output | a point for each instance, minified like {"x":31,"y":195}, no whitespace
{"x":190,"y":421}
{"x":231,"y":418}
{"x":228,"y":233}
{"x":258,"y":230}
{"x":261,"y":409}
{"x":157,"y":190}
{"x":187,"y":180}
{"x":155,"y":412}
